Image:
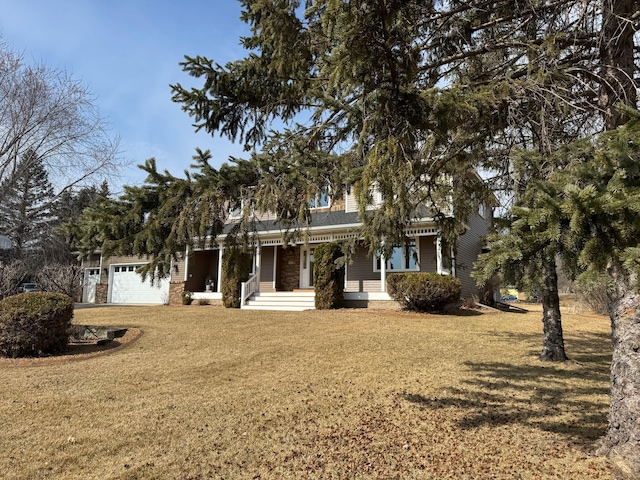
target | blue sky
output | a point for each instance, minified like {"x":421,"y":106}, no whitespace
{"x":127,"y":52}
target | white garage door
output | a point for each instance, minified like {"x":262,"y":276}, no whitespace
{"x":91,"y":278}
{"x":127,"y":286}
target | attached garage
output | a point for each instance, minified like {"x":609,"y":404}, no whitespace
{"x":126,"y":286}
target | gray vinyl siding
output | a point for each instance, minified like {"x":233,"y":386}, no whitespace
{"x":428,"y":256}
{"x":266,"y":269}
{"x":361,"y":266}
{"x":360,"y":274}
{"x":351,"y":204}
{"x":469,"y":247}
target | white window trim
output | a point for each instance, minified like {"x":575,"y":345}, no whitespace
{"x":389,"y":270}
{"x":237,"y":213}
{"x":376,"y":195}
{"x":482,"y":211}
{"x":317,"y":199}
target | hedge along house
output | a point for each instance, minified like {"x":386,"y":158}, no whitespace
{"x":282,"y":273}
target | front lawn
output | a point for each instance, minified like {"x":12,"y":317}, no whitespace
{"x":212,"y":393}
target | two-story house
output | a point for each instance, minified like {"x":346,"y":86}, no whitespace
{"x":282,"y":276}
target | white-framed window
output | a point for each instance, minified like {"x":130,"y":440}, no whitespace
{"x":376,"y":195}
{"x":322,"y":199}
{"x":483,"y":211}
{"x":238,"y":211}
{"x":403,"y":258}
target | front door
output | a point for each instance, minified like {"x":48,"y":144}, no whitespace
{"x":306,"y":267}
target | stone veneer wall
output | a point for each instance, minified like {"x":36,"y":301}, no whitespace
{"x":101,"y":292}
{"x":289,"y":259}
{"x":175,"y":293}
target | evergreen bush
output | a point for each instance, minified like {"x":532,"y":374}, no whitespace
{"x":328,"y":276}
{"x":423,"y":292}
{"x":187,"y":297}
{"x":35,"y":324}
{"x":236,"y":268}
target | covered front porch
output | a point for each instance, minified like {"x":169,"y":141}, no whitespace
{"x":284,"y":273}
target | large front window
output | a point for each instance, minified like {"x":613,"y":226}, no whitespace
{"x":402,"y":258}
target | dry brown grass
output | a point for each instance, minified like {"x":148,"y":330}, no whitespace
{"x":214,"y":393}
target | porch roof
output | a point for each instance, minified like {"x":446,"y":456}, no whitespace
{"x":318,"y":219}
{"x":336,"y":222}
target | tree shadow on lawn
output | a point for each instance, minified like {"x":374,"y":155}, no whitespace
{"x":569,"y":398}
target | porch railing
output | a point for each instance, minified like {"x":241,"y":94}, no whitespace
{"x":248,"y":288}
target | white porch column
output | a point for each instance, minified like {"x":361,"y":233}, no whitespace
{"x":439,"y":254}
{"x":383,"y":270}
{"x":100,"y":270}
{"x":186,"y":263}
{"x":219,"y":285}
{"x":346,"y":277}
{"x":452,"y":255}
{"x":258,"y":264}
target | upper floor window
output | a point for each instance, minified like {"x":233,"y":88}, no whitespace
{"x":239,"y":209}
{"x":376,"y":195}
{"x":403,"y":258}
{"x":321,"y":200}
{"x":484,"y":211}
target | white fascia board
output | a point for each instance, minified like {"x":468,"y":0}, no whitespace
{"x":317,"y":230}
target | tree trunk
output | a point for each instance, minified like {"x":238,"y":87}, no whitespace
{"x":622,"y":439}
{"x":553,"y":343}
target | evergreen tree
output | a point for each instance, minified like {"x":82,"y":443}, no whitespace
{"x":408,"y":96}
{"x":66,"y":211}
{"x":159,"y":219}
{"x":591,"y":211}
{"x":25,"y":212}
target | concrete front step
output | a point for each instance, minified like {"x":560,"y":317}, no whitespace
{"x":275,"y":308}
{"x":283,"y":301}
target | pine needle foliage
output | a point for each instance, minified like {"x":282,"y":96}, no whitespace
{"x":236,"y":268}
{"x":158,"y":220}
{"x":328,"y":276}
{"x":599,"y":199}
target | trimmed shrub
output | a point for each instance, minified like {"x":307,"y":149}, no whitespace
{"x":423,"y":292}
{"x":35,"y":324}
{"x":328,"y":276}
{"x":187,"y":297}
{"x":236,"y":268}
